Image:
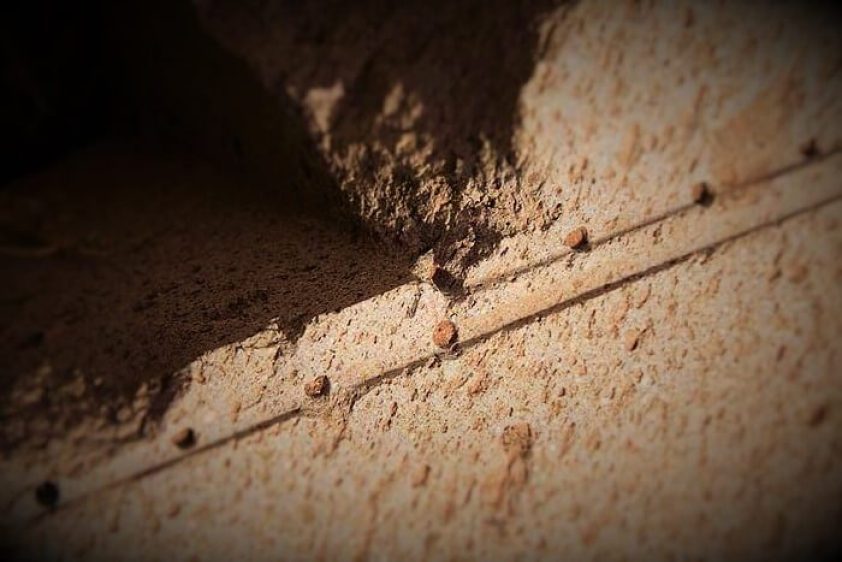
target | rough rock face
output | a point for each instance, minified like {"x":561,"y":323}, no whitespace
{"x":449,"y":125}
{"x":643,"y":365}
{"x":415,"y":107}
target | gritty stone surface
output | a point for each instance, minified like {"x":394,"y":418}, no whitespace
{"x":141,"y":282}
{"x":436,"y":141}
{"x":674,"y":393}
{"x":548,"y":115}
{"x":565,"y":443}
{"x":517,"y":439}
{"x":519,"y":368}
{"x":420,"y":475}
{"x":316,"y":387}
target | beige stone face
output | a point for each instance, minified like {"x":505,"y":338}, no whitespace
{"x":667,"y":384}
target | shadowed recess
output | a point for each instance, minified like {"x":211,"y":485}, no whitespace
{"x":140,"y":264}
{"x":427,"y":103}
{"x":123,"y":263}
{"x":126,"y":263}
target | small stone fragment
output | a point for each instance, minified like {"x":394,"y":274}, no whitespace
{"x":185,"y":438}
{"x":425,"y":267}
{"x":47,"y":494}
{"x":316,"y":387}
{"x":810,"y":149}
{"x":445,"y":334}
{"x":632,"y":340}
{"x":701,"y":193}
{"x":576,"y":238}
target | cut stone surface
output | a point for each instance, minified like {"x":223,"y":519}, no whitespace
{"x":673,"y":390}
{"x":713,"y":414}
{"x":588,"y":113}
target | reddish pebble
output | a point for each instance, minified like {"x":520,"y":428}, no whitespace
{"x":184,"y":439}
{"x":576,"y":238}
{"x":701,"y":193}
{"x":445,"y":334}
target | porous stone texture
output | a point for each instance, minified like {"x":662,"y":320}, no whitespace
{"x":414,"y":109}
{"x":451,"y":124}
{"x":670,"y":389}
{"x":716,"y":436}
{"x":110,"y":293}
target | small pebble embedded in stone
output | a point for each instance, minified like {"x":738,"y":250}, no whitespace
{"x":810,"y":149}
{"x":576,"y":238}
{"x":47,"y":494}
{"x":316,"y":387}
{"x":632,"y":340}
{"x":701,"y":193}
{"x":185,"y":438}
{"x":445,"y":334}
